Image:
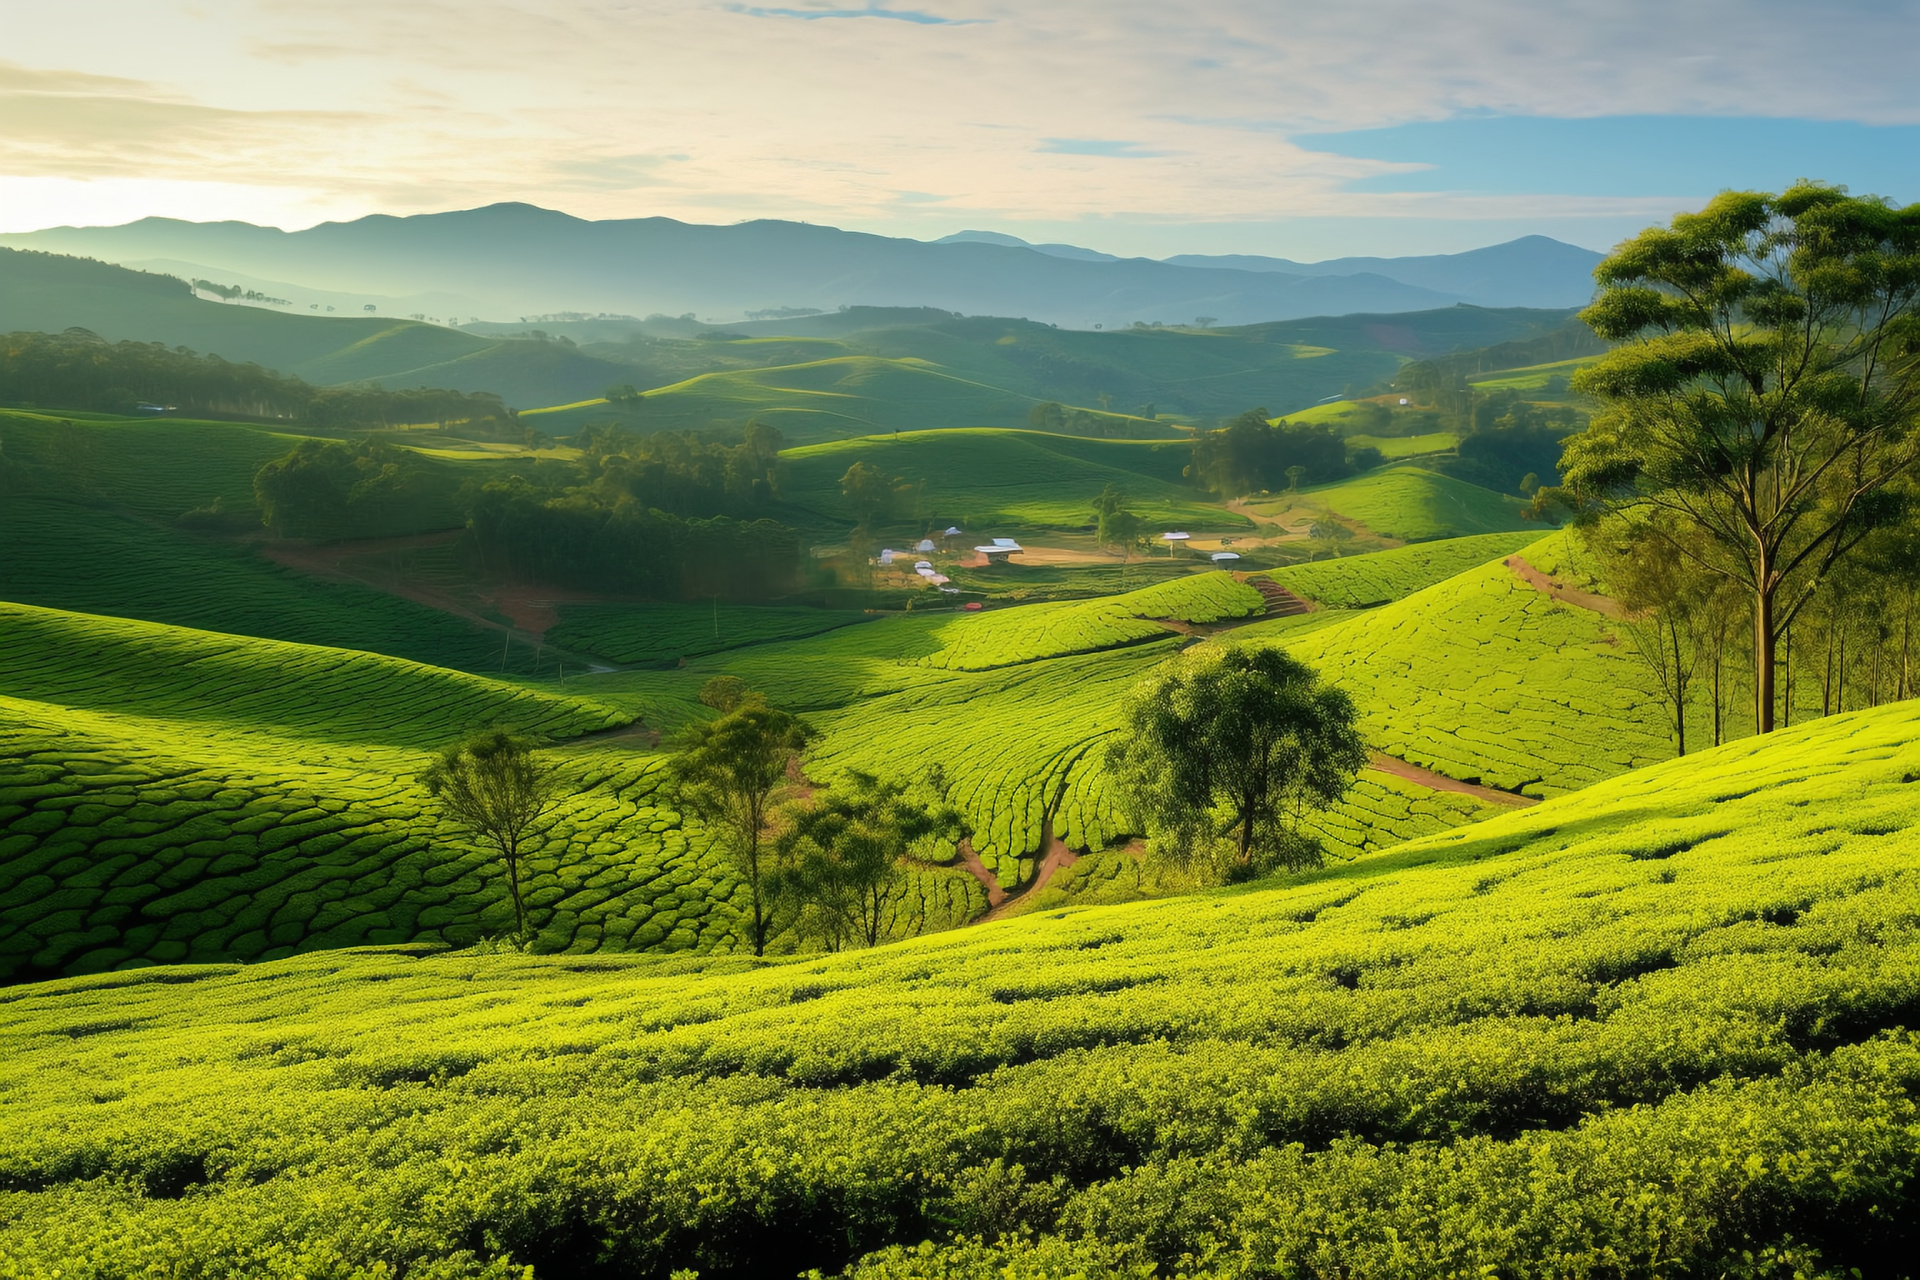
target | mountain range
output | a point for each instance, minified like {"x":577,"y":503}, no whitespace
{"x":509,"y":261}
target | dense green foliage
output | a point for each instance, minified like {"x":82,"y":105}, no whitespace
{"x":1649,"y":1030}
{"x":1226,"y":751}
{"x":1250,"y":454}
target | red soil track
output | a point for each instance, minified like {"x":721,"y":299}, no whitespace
{"x":1567,"y":595}
{"x":1398,"y":768}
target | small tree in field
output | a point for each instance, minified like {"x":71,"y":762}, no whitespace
{"x":728,"y":771}
{"x":1225,"y":754}
{"x":494,"y":784}
{"x":845,"y":859}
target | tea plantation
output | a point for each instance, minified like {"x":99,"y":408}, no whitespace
{"x":1485,"y":679}
{"x":102,"y":561}
{"x":1657,"y":1028}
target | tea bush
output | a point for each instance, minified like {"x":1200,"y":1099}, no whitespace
{"x":1662,"y":1027}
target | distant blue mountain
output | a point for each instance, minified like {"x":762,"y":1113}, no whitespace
{"x":1533,"y":271}
{"x":510,"y":260}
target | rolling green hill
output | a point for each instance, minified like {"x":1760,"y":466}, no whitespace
{"x":1485,"y":679}
{"x":49,"y":293}
{"x":837,"y":398}
{"x":1661,"y":1027}
{"x":91,"y":560}
{"x":977,"y":478}
{"x":1415,"y":505}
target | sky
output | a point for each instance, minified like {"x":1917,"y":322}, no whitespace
{"x":1138,"y":127}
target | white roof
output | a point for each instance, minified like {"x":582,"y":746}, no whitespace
{"x":1006,"y":542}
{"x":995,"y":550}
{"x":925,"y":571}
{"x":886,"y":557}
{"x":1176,"y":537}
{"x":953,"y":531}
{"x":926,"y":544}
{"x":1225,"y":555}
{"x":923,"y":564}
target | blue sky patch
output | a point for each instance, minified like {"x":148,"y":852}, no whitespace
{"x":1633,"y":155}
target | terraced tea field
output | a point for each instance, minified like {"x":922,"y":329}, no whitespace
{"x":661,"y":634}
{"x":94,"y":561}
{"x":241,"y":684}
{"x":1005,"y":637}
{"x":1380,"y":577}
{"x":1638,"y":1030}
{"x":1485,"y":679}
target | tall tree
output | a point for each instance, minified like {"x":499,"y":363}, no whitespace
{"x":1766,"y":390}
{"x":494,"y":783}
{"x":728,"y":771}
{"x":1236,"y":747}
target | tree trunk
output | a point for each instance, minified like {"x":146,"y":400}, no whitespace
{"x":1719,"y":697}
{"x":511,"y":851}
{"x":1679,"y":693}
{"x":1763,"y":652}
{"x":753,"y":883}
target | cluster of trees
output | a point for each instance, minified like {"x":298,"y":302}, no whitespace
{"x":1751,"y":480}
{"x":675,"y":515}
{"x":1052,"y":416}
{"x":78,"y":369}
{"x":579,"y":537}
{"x":1250,"y":454}
{"x":682,"y":472}
{"x":331,"y":489}
{"x":838,"y":866}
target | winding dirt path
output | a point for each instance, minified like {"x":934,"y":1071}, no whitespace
{"x":1567,"y":595}
{"x":1057,"y":857}
{"x":1395,"y":767}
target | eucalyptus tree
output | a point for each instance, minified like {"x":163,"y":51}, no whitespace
{"x":1764,"y":392}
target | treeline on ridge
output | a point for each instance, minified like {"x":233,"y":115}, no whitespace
{"x":78,"y":369}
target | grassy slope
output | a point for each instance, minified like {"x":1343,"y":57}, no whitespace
{"x":1415,"y":505}
{"x":977,"y":478}
{"x":837,"y":398}
{"x":1634,"y":1031}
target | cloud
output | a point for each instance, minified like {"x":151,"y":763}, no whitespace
{"x":1096,"y":147}
{"x":1233,"y":112}
{"x":871,"y":11}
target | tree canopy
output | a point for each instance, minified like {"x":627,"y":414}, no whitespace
{"x":728,"y":771}
{"x":1235,"y":748}
{"x":493,"y":783}
{"x":1765,"y":392}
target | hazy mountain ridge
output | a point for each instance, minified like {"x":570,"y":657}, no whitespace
{"x":516,"y":259}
